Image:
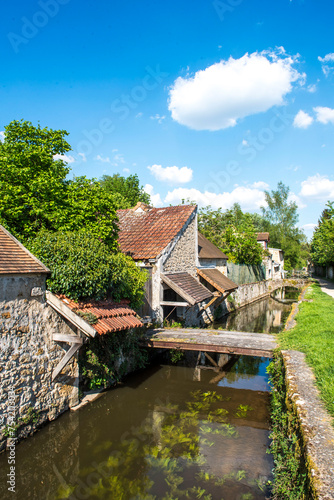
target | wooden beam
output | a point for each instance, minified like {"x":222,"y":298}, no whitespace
{"x":178,"y":290}
{"x":60,"y":337}
{"x":208,"y":304}
{"x":193,"y":346}
{"x":212,"y":361}
{"x":65,"y":311}
{"x":224,"y":297}
{"x":176,"y":304}
{"x":63,"y":362}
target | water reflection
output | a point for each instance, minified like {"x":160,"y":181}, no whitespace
{"x":267,"y":315}
{"x":162,"y":435}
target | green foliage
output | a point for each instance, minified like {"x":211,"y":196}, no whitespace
{"x":90,"y":208}
{"x":322,"y":245}
{"x":35,"y":194}
{"x":104,"y":360}
{"x":83,"y":267}
{"x":233,"y":232}
{"x":33,"y":184}
{"x":128,"y":187}
{"x":176,"y":355}
{"x":279,"y":218}
{"x":290,"y":477}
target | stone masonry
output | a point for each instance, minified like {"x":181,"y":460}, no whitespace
{"x":28,"y":357}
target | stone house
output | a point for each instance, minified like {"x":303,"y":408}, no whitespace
{"x":40,"y":335}
{"x":165,"y":242}
{"x":274,"y":262}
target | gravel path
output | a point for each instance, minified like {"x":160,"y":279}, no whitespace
{"x":327,"y":286}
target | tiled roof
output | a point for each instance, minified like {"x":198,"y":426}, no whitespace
{"x":217,"y":280}
{"x":207,"y":250}
{"x":111,"y":316}
{"x":15,"y":258}
{"x":144,"y":234}
{"x":262,"y":236}
{"x":187,"y":287}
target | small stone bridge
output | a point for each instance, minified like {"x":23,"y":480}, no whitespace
{"x":207,"y":340}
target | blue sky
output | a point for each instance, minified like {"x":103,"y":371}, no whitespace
{"x":215,"y":101}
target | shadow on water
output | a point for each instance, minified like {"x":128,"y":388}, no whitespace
{"x":267,"y":315}
{"x":177,"y":432}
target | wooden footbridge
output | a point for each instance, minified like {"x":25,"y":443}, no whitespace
{"x":207,"y":340}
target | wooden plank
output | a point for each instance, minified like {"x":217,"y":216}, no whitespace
{"x":212,"y":361}
{"x":65,"y":311}
{"x":191,"y":346}
{"x":178,"y":290}
{"x":63,"y":362}
{"x":177,"y":304}
{"x":61,"y":337}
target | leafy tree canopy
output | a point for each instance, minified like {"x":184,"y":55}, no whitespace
{"x":35,"y":191}
{"x":128,"y":187}
{"x":279,"y":218}
{"x":233,"y":232}
{"x":32,"y":183}
{"x":322,"y":244}
{"x":83,"y":267}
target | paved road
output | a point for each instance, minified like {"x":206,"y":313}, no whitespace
{"x":327,"y":286}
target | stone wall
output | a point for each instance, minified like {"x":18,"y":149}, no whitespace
{"x":183,"y":256}
{"x":29,"y":355}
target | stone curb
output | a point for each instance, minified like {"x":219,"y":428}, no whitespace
{"x":316,"y":423}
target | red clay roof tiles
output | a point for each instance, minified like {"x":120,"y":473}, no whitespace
{"x":144,"y":234}
{"x":111,"y":316}
{"x":15,"y":258}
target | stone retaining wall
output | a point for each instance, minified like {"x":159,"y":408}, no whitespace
{"x":28,"y":357}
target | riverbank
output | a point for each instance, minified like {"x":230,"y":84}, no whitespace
{"x":314,"y":336}
{"x":302,"y":429}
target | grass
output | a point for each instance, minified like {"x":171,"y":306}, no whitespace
{"x":314,"y":335}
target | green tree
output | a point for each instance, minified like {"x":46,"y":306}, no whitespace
{"x":279,"y":219}
{"x":128,"y":187}
{"x":322,"y":244}
{"x":233,"y":232}
{"x":91,"y":208}
{"x":240,"y":243}
{"x":35,"y":191}
{"x":32,"y":183}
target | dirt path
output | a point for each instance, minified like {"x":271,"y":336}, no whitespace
{"x":326,"y":286}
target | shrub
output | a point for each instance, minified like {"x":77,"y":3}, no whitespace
{"x":83,"y":267}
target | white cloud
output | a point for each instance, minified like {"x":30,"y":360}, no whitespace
{"x":217,"y":97}
{"x":248,"y":198}
{"x":312,"y":88}
{"x":155,"y":198}
{"x":317,"y":187}
{"x":259,"y":185}
{"x":244,"y":142}
{"x":83,"y":156}
{"x":159,"y":118}
{"x":309,"y":227}
{"x":302,"y":120}
{"x":327,"y":63}
{"x":172,"y":175}
{"x":139,"y":115}
{"x":324,"y":115}
{"x":126,"y":170}
{"x":103,"y":160}
{"x":2,"y":135}
{"x":118,"y":158}
{"x":68,"y":159}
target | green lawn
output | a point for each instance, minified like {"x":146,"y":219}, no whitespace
{"x":314,"y":335}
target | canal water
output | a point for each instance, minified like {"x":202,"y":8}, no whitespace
{"x":267,"y":315}
{"x":169,"y":432}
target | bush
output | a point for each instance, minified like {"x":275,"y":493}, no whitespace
{"x":83,"y":267}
